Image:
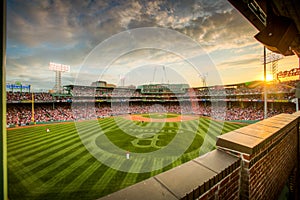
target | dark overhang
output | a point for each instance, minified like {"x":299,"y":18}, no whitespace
{"x":277,"y":21}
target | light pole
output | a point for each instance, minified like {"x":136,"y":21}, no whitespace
{"x":265,"y":85}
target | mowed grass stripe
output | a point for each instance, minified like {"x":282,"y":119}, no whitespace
{"x":60,"y":149}
{"x":82,"y":177}
{"x":121,"y":124}
{"x":42,"y":147}
{"x":169,"y":125}
{"x":45,"y":136}
{"x":155,"y":125}
{"x":210,"y":135}
{"x":109,"y":174}
{"x":158,"y":162}
{"x":88,"y":174}
{"x":46,"y":145}
{"x":190,"y":156}
{"x":176,"y":163}
{"x":106,"y":125}
{"x":204,"y":124}
{"x":40,"y":170}
{"x":227,"y":128}
{"x":122,"y":176}
{"x":21,"y":172}
{"x":21,"y":134}
{"x":213,"y":128}
{"x":236,"y":125}
{"x":203,"y":127}
{"x":36,"y":147}
{"x":102,"y":183}
{"x":49,"y":153}
{"x":132,"y":178}
{"x":82,"y":127}
{"x":196,"y":126}
{"x":34,"y":132}
{"x":62,"y":174}
{"x":190,"y":125}
{"x":42,"y":162}
{"x":17,"y":191}
{"x":38,"y":136}
{"x":141,"y":125}
{"x":128,"y":180}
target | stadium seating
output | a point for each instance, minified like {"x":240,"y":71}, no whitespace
{"x":242,"y":102}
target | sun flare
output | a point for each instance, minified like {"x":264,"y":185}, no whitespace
{"x":268,"y":78}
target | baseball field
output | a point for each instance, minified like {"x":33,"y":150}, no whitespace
{"x":56,"y":164}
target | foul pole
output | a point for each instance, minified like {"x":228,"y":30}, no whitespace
{"x":32,"y":108}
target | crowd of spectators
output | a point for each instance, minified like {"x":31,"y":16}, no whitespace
{"x":125,"y":101}
{"x":22,"y":114}
{"x":26,"y":96}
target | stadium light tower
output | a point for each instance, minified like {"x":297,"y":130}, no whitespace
{"x":122,"y":80}
{"x":273,"y":58}
{"x":58,"y":68}
{"x":269,"y":58}
{"x":164,"y":78}
{"x":203,"y":78}
{"x":265,"y":85}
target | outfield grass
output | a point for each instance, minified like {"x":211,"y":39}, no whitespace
{"x":56,"y":165}
{"x":159,"y":115}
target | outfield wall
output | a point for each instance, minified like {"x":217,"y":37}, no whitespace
{"x":253,"y":162}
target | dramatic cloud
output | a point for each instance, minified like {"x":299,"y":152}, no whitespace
{"x":66,"y":31}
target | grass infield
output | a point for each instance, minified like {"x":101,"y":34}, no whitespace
{"x":56,"y":165}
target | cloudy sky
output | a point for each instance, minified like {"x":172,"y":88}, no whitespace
{"x":139,"y":42}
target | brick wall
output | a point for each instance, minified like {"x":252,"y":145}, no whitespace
{"x":268,"y":158}
{"x":228,"y":188}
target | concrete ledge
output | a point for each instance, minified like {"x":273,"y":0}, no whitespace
{"x":217,"y":161}
{"x":193,"y":178}
{"x":250,"y":139}
{"x":148,"y":190}
{"x":191,"y":174}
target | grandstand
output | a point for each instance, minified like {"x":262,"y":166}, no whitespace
{"x":243,"y":101}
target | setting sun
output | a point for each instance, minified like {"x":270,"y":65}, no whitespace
{"x":269,"y":77}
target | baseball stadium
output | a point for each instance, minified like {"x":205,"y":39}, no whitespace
{"x":86,"y":138}
{"x":48,"y":160}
